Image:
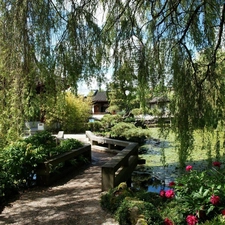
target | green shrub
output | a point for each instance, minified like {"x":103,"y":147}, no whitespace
{"x":43,"y":138}
{"x":129,"y":120}
{"x":195,"y":191}
{"x":120,"y":129}
{"x":129,"y":131}
{"x":95,"y":126}
{"x":137,"y":111}
{"x":109,"y":121}
{"x":70,"y":111}
{"x":111,"y":200}
{"x":6,"y":184}
{"x":131,"y":209}
{"x":69,"y":144}
{"x":19,"y":159}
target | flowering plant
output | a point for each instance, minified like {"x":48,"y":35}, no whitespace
{"x":215,"y":200}
{"x":168,"y":193}
{"x":202,"y":194}
{"x":168,"y":222}
{"x":191,"y":220}
{"x":189,"y":168}
{"x":217,"y":164}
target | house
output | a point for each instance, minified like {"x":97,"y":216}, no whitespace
{"x":160,"y":103}
{"x":99,"y":104}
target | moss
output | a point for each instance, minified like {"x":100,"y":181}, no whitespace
{"x":131,"y":210}
{"x":141,"y":221}
{"x":122,"y":186}
{"x":111,"y":200}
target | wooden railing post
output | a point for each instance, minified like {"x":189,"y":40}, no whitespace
{"x":108,"y":178}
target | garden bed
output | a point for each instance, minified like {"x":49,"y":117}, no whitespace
{"x":58,"y":166}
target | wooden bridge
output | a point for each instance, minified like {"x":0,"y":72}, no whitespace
{"x":121,"y":166}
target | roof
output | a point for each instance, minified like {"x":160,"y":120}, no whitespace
{"x":160,"y":99}
{"x":100,"y":96}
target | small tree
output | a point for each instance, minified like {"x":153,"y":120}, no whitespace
{"x":71,"y":113}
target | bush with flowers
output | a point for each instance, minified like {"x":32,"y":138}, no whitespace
{"x":196,"y":197}
{"x":199,"y":197}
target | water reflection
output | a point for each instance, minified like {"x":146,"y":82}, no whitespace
{"x":157,"y":189}
{"x":145,"y":181}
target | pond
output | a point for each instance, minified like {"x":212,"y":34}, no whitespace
{"x":147,"y":182}
{"x":153,"y":176}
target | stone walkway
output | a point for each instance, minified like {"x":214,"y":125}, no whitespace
{"x":74,"y":200}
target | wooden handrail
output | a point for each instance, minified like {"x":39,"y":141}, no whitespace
{"x":121,"y":166}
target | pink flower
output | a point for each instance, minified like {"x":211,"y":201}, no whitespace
{"x":189,"y":168}
{"x":162,"y":193}
{"x":191,"y":220}
{"x":218,"y":164}
{"x":172,"y":183}
{"x":168,"y":222}
{"x":223,"y":212}
{"x":215,"y":199}
{"x":169,"y":193}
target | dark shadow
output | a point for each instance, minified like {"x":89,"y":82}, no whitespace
{"x":74,"y":199}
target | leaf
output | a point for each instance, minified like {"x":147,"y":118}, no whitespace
{"x":210,"y":209}
{"x":197,"y":195}
{"x":205,"y":193}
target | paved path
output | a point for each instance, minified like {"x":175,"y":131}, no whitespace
{"x":74,"y":200}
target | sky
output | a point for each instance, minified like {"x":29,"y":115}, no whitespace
{"x":83,"y":89}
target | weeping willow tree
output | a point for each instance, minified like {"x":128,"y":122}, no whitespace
{"x":50,"y":44}
{"x":164,"y":39}
{"x":45,"y":47}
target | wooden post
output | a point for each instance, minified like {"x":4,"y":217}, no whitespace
{"x":108,"y":178}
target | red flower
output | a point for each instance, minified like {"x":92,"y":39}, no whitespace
{"x":215,"y":199}
{"x":191,"y":220}
{"x":169,"y":193}
{"x":218,"y":164}
{"x":172,"y":183}
{"x":168,"y":222}
{"x":189,"y":168}
{"x":223,"y":212}
{"x":162,"y":193}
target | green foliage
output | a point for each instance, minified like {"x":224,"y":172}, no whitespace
{"x":111,"y":200}
{"x":44,"y":57}
{"x":129,"y":119}
{"x":19,"y":160}
{"x":70,"y":144}
{"x":71,"y":112}
{"x":120,"y":129}
{"x":122,"y":90}
{"x":129,"y":206}
{"x":95,"y":126}
{"x":217,"y":220}
{"x":145,"y":44}
{"x":129,"y":131}
{"x":41,"y":139}
{"x":131,"y":209}
{"x":109,"y":121}
{"x":197,"y":193}
{"x":195,"y":189}
{"x":137,"y":111}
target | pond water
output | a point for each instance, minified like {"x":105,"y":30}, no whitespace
{"x":148,"y":183}
{"x":153,"y":176}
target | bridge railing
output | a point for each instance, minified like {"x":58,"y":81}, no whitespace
{"x":121,"y":166}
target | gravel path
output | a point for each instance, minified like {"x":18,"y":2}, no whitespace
{"x":74,"y":200}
